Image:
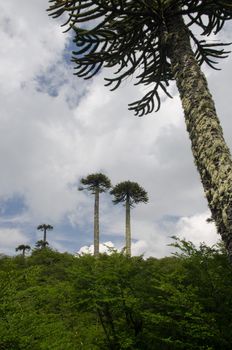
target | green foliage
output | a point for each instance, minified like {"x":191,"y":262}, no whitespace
{"x":41,"y":244}
{"x":93,"y":182}
{"x":23,"y":248}
{"x":130,"y":191}
{"x":45,"y":227}
{"x":58,"y":301}
{"x":133,"y":37}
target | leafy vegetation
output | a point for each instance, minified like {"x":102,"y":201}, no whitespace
{"x":58,"y":301}
{"x":23,"y":248}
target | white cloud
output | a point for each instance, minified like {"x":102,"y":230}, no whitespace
{"x":28,"y":41}
{"x":197,"y":230}
{"x":106,"y":247}
{"x":23,"y":218}
{"x":139,"y":248}
{"x":156,"y":241}
{"x":10,"y":239}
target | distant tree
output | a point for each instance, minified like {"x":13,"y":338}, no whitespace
{"x":45,"y":228}
{"x":158,"y":41}
{"x":96,"y":184}
{"x":23,"y":248}
{"x":41,"y":244}
{"x":130,"y":193}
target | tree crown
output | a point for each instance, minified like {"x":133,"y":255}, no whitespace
{"x":133,"y":36}
{"x":22,"y":247}
{"x":95,"y":182}
{"x":130,"y":191}
{"x":41,"y":244}
{"x":46,"y":227}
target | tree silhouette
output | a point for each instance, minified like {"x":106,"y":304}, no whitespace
{"x":151,"y":38}
{"x":23,"y":248}
{"x":41,"y":244}
{"x":45,"y":228}
{"x":130,"y":193}
{"x":96,"y":184}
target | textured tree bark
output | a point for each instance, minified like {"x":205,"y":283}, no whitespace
{"x":128,"y":228}
{"x":211,"y":154}
{"x":96,"y":223}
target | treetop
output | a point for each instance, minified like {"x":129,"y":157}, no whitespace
{"x":131,"y":191}
{"x":93,"y":182}
{"x":132,"y":36}
{"x":45,"y":227}
{"x":23,"y":247}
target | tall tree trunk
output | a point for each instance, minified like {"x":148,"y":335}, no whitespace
{"x":96,"y":223}
{"x":45,"y":236}
{"x":211,"y":154}
{"x":128,"y":228}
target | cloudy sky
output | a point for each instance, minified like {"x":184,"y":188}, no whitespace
{"x":55,"y":129}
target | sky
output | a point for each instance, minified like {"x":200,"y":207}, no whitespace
{"x":56,"y":128}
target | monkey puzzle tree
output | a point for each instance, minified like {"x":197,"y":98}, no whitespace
{"x":96,"y":184}
{"x":45,"y":228}
{"x":154,"y":38}
{"x":130,"y":193}
{"x":41,"y":244}
{"x":23,"y":248}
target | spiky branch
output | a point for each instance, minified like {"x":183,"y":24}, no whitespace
{"x":109,"y":39}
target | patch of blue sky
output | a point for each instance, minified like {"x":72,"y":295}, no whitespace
{"x":69,"y":48}
{"x":51,"y":81}
{"x":72,"y":235}
{"x":13,"y":206}
{"x":53,"y":78}
{"x":167,"y":223}
{"x":63,"y":237}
